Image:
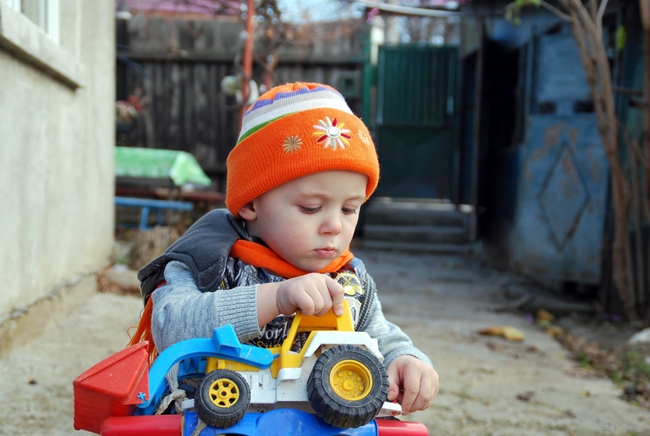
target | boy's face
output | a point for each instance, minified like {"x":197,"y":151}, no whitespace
{"x":309,"y":221}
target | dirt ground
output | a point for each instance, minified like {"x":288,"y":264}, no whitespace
{"x":489,"y":386}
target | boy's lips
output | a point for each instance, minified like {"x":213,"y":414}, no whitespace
{"x":326,"y":252}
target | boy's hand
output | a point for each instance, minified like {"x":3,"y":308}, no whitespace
{"x":313,"y":294}
{"x":412,"y":382}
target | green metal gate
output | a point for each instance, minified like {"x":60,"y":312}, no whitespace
{"x":415,"y":126}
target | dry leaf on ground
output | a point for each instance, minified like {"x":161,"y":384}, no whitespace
{"x":510,"y":333}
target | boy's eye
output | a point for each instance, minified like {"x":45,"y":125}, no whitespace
{"x":349,"y":210}
{"x":306,"y":209}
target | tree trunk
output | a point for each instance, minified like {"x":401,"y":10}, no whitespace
{"x":588,"y":35}
{"x":645,"y":149}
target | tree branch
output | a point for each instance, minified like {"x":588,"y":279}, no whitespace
{"x":594,"y":9}
{"x":561,"y":15}
{"x":599,"y":17}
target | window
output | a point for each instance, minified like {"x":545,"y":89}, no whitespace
{"x":14,"y":4}
{"x":30,"y":29}
{"x":43,"y":13}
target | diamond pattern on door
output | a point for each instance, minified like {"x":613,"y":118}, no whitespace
{"x":564,"y":196}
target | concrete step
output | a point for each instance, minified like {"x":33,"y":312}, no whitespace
{"x":417,"y":234}
{"x":418,"y":225}
{"x":410,"y":213}
{"x":418,"y":247}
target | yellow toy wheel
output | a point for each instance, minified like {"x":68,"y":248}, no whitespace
{"x":222,"y":398}
{"x":347,"y":386}
{"x":224,"y":393}
{"x":351,"y":379}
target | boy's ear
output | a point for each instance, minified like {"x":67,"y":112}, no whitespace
{"x":247,"y":211}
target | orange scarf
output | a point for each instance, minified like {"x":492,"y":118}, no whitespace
{"x":263,"y":257}
{"x":252,"y":253}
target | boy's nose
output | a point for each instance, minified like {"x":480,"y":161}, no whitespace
{"x":332,"y":225}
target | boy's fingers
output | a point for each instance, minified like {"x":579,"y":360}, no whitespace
{"x":312,"y":299}
{"x":411,"y":390}
{"x":321,"y":302}
{"x":337,"y":293}
{"x":393,"y":383}
{"x":426,"y":395}
{"x":305,"y":303}
{"x":318,"y":294}
{"x":393,"y":391}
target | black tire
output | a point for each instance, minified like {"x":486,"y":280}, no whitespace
{"x":348,"y":386}
{"x":222,"y":398}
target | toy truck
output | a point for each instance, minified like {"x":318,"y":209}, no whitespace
{"x":335,"y":384}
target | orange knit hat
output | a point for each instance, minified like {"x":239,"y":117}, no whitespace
{"x":292,"y":131}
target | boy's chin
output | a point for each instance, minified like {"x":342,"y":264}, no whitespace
{"x":313,"y":266}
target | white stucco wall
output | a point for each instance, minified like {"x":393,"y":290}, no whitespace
{"x":56,"y":151}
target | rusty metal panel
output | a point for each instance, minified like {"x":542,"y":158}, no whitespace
{"x":561,"y":212}
{"x":567,"y":82}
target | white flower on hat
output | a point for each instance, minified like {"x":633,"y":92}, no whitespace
{"x":292,"y":143}
{"x":364,"y":138}
{"x":333,"y":133}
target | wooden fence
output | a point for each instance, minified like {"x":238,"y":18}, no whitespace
{"x":183,"y":106}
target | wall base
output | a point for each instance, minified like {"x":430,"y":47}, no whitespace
{"x":28,"y":322}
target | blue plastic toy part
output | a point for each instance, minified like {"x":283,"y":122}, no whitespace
{"x":223,"y":344}
{"x":279,"y":422}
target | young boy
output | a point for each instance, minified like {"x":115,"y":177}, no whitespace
{"x":301,"y":170}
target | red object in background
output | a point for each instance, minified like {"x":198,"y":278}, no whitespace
{"x":135,"y":102}
{"x":157,"y":425}
{"x":389,"y":427}
{"x":247,"y":58}
{"x":112,"y":387}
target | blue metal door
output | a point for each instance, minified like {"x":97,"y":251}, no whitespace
{"x":560,"y":223}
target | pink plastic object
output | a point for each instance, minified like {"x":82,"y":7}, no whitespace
{"x":387,"y":427}
{"x":112,"y":387}
{"x":156,"y":425}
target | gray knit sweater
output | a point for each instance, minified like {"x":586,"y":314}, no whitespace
{"x":181,"y":311}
